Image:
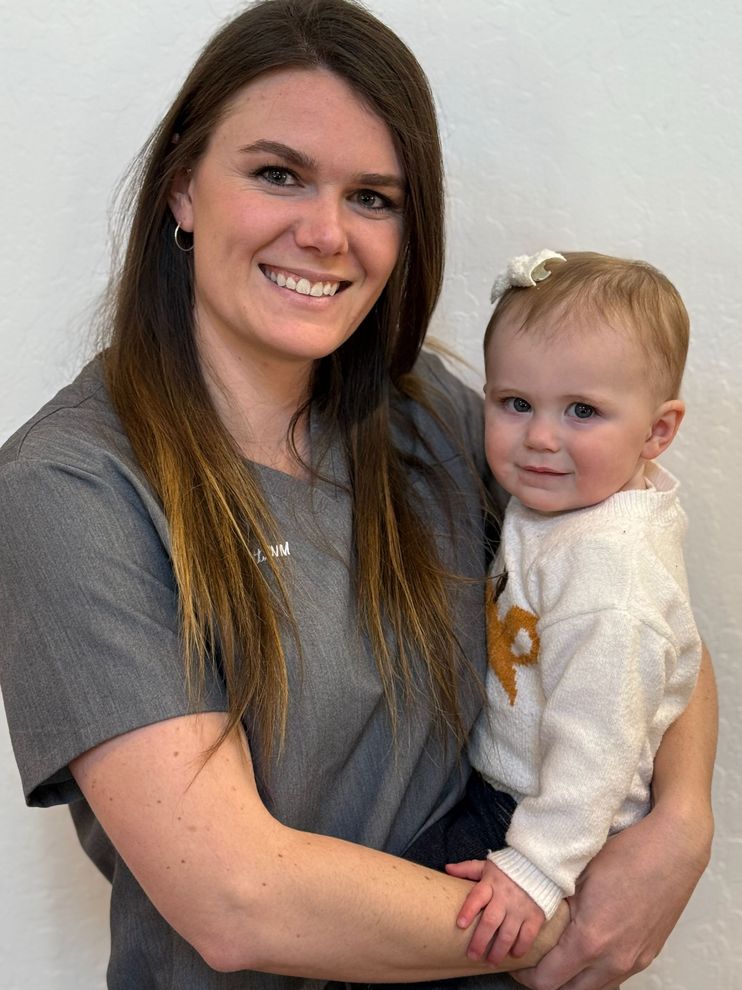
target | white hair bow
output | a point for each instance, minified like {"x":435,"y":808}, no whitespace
{"x":524,"y":270}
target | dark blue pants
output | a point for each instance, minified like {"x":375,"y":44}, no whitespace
{"x":471,"y":828}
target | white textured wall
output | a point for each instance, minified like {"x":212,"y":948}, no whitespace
{"x":568,"y":123}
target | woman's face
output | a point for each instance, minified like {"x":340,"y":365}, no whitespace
{"x":296,"y":210}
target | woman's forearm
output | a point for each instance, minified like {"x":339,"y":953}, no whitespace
{"x":356,"y":914}
{"x":248,"y":892}
{"x":683,"y":766}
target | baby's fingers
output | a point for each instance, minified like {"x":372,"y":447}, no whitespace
{"x":526,"y":937}
{"x":506,"y":936}
{"x":478,"y":897}
{"x":488,"y":925}
{"x":468,"y":869}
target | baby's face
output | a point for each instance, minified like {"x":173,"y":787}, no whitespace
{"x":567,"y":414}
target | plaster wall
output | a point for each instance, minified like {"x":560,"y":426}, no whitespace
{"x":567,"y":123}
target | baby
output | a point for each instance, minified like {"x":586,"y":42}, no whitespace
{"x":593,"y":649}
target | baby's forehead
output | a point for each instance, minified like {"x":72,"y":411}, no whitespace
{"x":591,"y":343}
{"x":570,"y":324}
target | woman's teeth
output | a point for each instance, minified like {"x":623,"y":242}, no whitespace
{"x":302,"y":285}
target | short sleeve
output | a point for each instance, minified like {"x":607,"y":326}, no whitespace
{"x":90,"y":645}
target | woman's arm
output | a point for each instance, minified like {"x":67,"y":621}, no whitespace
{"x":632,"y":894}
{"x":249,"y":893}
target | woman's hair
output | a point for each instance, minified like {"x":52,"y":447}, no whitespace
{"x":217,"y":515}
{"x":629,"y":296}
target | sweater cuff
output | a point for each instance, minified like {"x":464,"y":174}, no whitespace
{"x":536,"y":884}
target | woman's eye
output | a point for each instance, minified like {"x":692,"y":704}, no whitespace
{"x":516,"y":404}
{"x":371,"y":200}
{"x":276,"y":175}
{"x":581,"y":410}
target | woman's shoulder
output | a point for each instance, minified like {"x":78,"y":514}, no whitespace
{"x":447,"y":411}
{"x":74,"y":452}
{"x":445,"y":385}
{"x":77,"y":420}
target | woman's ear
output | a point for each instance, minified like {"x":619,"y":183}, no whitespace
{"x":179,"y":199}
{"x":665,"y":424}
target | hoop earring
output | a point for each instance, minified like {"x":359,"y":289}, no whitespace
{"x":179,"y":246}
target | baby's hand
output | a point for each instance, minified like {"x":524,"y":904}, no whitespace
{"x":510,"y":919}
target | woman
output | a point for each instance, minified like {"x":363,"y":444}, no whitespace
{"x":243,"y":553}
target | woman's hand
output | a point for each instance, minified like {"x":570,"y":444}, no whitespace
{"x":627,"y":903}
{"x":632,"y":894}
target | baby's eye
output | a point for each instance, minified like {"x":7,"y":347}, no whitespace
{"x":581,"y":410}
{"x":515,"y":404}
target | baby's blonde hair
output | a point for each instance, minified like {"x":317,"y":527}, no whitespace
{"x":626,"y":295}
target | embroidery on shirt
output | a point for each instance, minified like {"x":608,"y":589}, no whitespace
{"x":279,"y":550}
{"x":511,"y":642}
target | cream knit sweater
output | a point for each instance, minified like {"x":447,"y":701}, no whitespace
{"x":593,"y":652}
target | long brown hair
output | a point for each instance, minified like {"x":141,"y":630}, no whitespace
{"x":217,"y":515}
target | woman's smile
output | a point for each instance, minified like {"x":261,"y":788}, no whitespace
{"x":304,"y":284}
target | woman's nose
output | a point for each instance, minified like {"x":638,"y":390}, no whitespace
{"x":542,"y":433}
{"x":322,"y":226}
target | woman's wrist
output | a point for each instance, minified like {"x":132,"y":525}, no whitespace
{"x":688,"y":821}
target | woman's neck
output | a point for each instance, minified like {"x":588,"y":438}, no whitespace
{"x":256,"y":403}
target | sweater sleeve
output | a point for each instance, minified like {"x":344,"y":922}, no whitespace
{"x":603,"y":676}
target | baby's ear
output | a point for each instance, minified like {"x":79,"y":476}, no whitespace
{"x":665,"y":425}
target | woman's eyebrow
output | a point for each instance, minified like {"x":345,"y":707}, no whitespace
{"x":380,"y":179}
{"x":285,"y":151}
{"x":301,"y":160}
